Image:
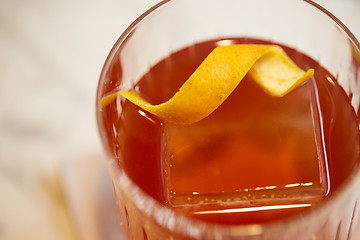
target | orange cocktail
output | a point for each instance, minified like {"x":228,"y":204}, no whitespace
{"x":257,"y":159}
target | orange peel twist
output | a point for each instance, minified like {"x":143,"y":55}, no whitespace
{"x":217,"y":77}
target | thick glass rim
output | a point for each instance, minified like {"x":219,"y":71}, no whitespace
{"x":182,"y":226}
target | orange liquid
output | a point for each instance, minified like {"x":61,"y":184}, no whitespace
{"x":213,"y":169}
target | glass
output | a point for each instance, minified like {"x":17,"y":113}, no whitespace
{"x":172,"y":25}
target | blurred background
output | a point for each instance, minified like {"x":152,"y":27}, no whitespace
{"x":51,"y":161}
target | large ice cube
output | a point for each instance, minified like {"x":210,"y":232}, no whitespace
{"x":255,"y":150}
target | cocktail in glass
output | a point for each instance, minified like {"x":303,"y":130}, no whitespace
{"x":160,"y":198}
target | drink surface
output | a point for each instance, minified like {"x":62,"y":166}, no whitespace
{"x":253,"y":154}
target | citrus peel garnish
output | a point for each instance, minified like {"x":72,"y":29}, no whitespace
{"x":216,"y":78}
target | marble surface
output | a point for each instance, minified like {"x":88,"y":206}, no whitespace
{"x":51,"y":54}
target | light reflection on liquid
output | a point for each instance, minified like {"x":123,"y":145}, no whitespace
{"x":308,"y":184}
{"x":225,"y":42}
{"x":252,"y":209}
{"x":330,"y":80}
{"x":142,"y":113}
